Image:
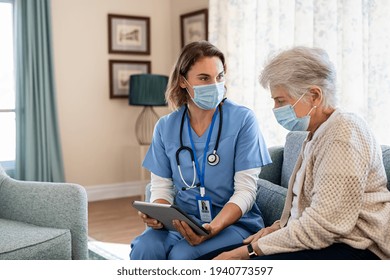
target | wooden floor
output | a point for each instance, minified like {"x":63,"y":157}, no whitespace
{"x":114,"y":220}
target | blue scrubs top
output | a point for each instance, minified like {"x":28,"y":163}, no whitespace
{"x":241,"y":147}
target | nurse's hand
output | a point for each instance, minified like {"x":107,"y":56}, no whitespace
{"x":191,"y":237}
{"x":150,"y":222}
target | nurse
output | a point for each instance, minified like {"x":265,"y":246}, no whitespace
{"x":205,"y":157}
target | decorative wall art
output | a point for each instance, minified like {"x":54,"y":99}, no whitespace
{"x":194,"y":27}
{"x":128,"y":34}
{"x":120,"y":71}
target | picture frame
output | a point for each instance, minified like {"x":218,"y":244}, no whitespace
{"x":194,"y":26}
{"x":128,"y":34}
{"x":120,"y":71}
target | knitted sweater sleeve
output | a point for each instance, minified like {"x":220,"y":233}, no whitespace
{"x":336,"y":198}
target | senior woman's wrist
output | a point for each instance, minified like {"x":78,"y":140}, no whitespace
{"x":254,"y":250}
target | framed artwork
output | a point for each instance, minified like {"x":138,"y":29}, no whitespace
{"x":128,"y":34}
{"x":120,"y":71}
{"x":194,"y":27}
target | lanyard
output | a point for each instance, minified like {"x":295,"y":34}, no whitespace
{"x":199,"y":172}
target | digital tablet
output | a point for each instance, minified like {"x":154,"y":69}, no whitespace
{"x":166,"y":213}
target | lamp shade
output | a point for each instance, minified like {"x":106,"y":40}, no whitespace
{"x":147,"y":90}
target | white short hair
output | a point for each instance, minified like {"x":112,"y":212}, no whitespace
{"x":300,"y":68}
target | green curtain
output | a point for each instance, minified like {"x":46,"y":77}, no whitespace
{"x":38,"y":147}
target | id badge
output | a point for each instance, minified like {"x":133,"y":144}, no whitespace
{"x":204,"y":208}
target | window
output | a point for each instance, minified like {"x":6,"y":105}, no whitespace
{"x":7,"y":86}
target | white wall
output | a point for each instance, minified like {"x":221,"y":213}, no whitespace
{"x":97,"y":133}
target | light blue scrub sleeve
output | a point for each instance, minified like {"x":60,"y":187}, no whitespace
{"x":156,"y":160}
{"x":251,"y":150}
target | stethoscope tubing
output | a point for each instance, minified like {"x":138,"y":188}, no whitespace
{"x":188,"y":149}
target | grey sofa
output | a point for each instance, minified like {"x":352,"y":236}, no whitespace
{"x":43,"y":221}
{"x":274,"y":178}
{"x":273,"y":182}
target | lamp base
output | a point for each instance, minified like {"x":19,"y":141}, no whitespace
{"x":144,"y":125}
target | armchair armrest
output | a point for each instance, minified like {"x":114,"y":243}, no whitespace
{"x":273,"y":172}
{"x":56,"y":205}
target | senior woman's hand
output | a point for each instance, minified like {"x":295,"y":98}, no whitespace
{"x":240,"y":253}
{"x":263,"y":232}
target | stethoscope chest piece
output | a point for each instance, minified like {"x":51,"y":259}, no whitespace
{"x":213,"y":159}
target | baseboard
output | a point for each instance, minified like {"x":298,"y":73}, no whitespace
{"x":112,"y":191}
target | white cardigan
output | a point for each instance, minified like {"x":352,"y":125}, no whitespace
{"x":343,"y":197}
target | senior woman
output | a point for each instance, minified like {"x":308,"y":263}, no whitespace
{"x":337,"y":205}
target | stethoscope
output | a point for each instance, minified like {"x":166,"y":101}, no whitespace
{"x":212,"y":159}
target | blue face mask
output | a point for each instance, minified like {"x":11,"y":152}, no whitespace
{"x":207,"y":97}
{"x":287,"y":118}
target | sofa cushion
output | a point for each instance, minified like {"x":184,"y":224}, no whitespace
{"x":25,"y":241}
{"x":272,"y":172}
{"x":270,"y":199}
{"x":292,"y":148}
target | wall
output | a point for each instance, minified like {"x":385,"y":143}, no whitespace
{"x":97,"y":133}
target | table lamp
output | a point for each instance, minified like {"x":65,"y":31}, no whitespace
{"x":147,"y":90}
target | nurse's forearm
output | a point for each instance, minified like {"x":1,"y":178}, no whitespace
{"x":229,"y":214}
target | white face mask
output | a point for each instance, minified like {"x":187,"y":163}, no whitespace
{"x":207,"y":97}
{"x":287,"y":117}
